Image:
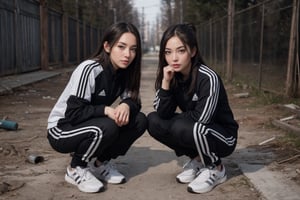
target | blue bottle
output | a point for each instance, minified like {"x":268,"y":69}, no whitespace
{"x":8,"y":125}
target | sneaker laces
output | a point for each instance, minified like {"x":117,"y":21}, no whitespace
{"x":212,"y":170}
{"x":83,"y":174}
{"x":202,"y":170}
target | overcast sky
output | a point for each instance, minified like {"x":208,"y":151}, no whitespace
{"x":151,"y":9}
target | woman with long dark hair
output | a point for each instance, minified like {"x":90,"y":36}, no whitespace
{"x":87,"y":122}
{"x":192,"y":115}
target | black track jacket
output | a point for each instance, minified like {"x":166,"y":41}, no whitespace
{"x":207,"y":105}
{"x":90,"y":88}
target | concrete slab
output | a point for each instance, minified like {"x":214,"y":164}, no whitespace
{"x":271,"y":184}
{"x":9,"y":83}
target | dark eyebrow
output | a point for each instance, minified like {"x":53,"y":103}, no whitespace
{"x":176,"y":48}
{"x":123,"y":43}
{"x":180,"y":47}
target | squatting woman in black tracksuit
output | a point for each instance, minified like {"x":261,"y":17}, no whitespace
{"x":204,"y":129}
{"x":85,"y":122}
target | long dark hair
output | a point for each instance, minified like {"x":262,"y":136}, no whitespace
{"x":187,"y":34}
{"x":132,"y":74}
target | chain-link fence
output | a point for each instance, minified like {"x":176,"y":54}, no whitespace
{"x":261,"y":36}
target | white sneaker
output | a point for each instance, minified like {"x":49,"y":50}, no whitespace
{"x":207,"y":180}
{"x":190,"y":169}
{"x":107,"y":172}
{"x":84,"y":180}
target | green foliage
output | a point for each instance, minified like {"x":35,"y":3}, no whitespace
{"x":202,"y":10}
{"x":291,"y":140}
{"x":262,"y":97}
{"x":100,"y":13}
{"x":267,"y":98}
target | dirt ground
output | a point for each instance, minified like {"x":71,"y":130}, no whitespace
{"x":150,"y":167}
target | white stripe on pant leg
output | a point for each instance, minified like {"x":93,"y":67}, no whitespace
{"x":55,"y":132}
{"x":228,"y":141}
{"x":197,"y":143}
{"x":207,"y":151}
{"x":202,"y":144}
{"x":93,"y":146}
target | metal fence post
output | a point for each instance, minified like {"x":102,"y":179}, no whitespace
{"x":230,"y":39}
{"x":261,"y":44}
{"x":65,"y":39}
{"x":291,"y":83}
{"x":44,"y":34}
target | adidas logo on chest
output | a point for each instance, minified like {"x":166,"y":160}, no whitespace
{"x":195,"y":97}
{"x":102,"y":93}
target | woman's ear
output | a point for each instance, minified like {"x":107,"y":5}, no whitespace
{"x":106,"y":47}
{"x":193,"y":53}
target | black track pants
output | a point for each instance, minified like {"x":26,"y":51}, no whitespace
{"x":97,"y":137}
{"x":188,"y":138}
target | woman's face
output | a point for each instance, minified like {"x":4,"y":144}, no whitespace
{"x":123,"y":52}
{"x":178,"y":56}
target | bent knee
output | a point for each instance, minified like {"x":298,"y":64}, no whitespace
{"x":142,"y":121}
{"x":153,"y":119}
{"x":181,"y":126}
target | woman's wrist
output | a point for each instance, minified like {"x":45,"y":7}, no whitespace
{"x":165,"y":84}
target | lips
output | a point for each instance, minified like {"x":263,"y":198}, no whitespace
{"x":124,"y":62}
{"x":175,"y":66}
